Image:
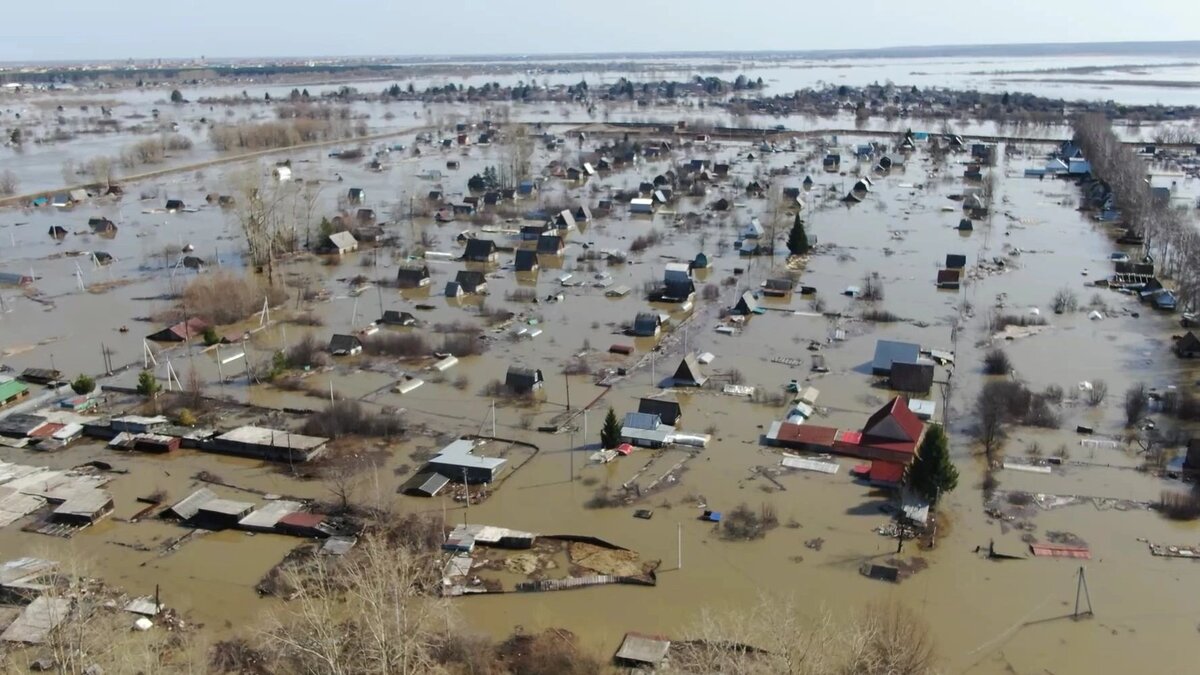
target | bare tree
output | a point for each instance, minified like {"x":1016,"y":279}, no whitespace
{"x":1098,"y":392}
{"x":991,"y":409}
{"x":371,"y":613}
{"x":1136,"y":403}
{"x":8,"y":183}
{"x":773,"y":637}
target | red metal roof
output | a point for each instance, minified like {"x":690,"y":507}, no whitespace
{"x":886,"y":472}
{"x":807,"y":434}
{"x":46,"y":430}
{"x":1061,"y":551}
{"x":897,"y":410}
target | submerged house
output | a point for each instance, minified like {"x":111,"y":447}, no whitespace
{"x":565,"y":220}
{"x":459,"y":462}
{"x":413,"y":275}
{"x":480,"y":250}
{"x":12,"y":390}
{"x":778,"y":287}
{"x":647,"y":324}
{"x":688,"y":374}
{"x":394,"y":317}
{"x":471,"y":281}
{"x":668,"y":411}
{"x":345,"y":345}
{"x":912,"y":378}
{"x":180,"y":332}
{"x":1186,"y":347}
{"x":550,"y":244}
{"x":888,"y":352}
{"x":746,"y":305}
{"x":526,"y":260}
{"x":341,"y":243}
{"x":523,"y":380}
{"x":645,"y":430}
{"x":264,"y":443}
{"x":678,"y":283}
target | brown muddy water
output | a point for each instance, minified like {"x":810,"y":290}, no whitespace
{"x":988,"y":617}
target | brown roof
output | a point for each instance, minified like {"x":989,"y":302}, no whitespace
{"x":807,"y":434}
{"x":302,"y":519}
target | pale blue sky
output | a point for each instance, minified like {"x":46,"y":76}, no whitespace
{"x":87,"y":29}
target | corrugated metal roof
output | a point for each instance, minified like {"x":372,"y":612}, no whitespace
{"x":270,"y":514}
{"x":10,"y":388}
{"x":803,"y":463}
{"x":641,"y":420}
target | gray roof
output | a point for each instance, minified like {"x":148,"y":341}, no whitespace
{"x":268,"y":516}
{"x":888,"y":352}
{"x":639,"y":648}
{"x":275,"y":438}
{"x":688,"y":372}
{"x":190,"y":505}
{"x":343,"y":240}
{"x":641,"y":420}
{"x":37,"y":620}
{"x":660,"y":435}
{"x":226,"y":507}
{"x":746,"y":304}
{"x":460,"y":453}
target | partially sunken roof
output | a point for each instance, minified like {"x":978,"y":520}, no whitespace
{"x":252,"y":435}
{"x":460,"y":453}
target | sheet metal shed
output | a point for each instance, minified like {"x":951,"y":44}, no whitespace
{"x":639,"y":649}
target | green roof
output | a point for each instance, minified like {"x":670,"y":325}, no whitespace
{"x":11,"y":388}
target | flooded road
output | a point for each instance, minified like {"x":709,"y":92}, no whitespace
{"x":987,"y":616}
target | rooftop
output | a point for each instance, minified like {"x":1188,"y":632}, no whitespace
{"x":252,"y":435}
{"x":461,"y":453}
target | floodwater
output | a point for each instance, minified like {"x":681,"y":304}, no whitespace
{"x":988,"y":617}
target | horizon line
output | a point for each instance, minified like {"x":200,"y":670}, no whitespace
{"x":893,"y":51}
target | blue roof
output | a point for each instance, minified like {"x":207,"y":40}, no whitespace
{"x":888,"y":352}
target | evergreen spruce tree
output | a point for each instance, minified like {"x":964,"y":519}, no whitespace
{"x":610,"y":433}
{"x":932,"y":474}
{"x":797,"y":241}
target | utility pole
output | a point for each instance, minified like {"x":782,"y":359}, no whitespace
{"x":493,"y":418}
{"x":571,"y":453}
{"x":568,"y":379}
{"x":679,"y":544}
{"x":467,"y":489}
{"x":1081,"y":588}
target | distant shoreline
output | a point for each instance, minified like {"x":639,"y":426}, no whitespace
{"x":1163,"y":84}
{"x":1190,"y":48}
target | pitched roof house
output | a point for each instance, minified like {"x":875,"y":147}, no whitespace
{"x":523,"y":380}
{"x":668,"y":411}
{"x":647,"y":324}
{"x":526,"y":260}
{"x":688,"y":374}
{"x":341,"y":243}
{"x":412,"y":275}
{"x":471,"y":281}
{"x":480,"y":250}
{"x":1188,"y":346}
{"x":345,"y":345}
{"x":747,"y":304}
